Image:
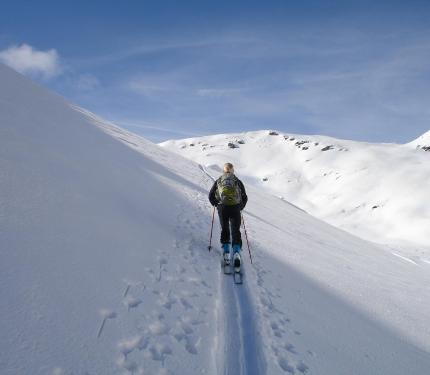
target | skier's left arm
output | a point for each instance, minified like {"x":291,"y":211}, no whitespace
{"x":243,"y":195}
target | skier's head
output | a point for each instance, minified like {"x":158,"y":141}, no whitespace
{"x":228,"y":168}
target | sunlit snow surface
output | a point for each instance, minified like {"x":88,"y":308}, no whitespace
{"x":376,"y":191}
{"x":105,"y":269}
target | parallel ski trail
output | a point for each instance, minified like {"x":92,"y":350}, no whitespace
{"x":241,"y":354}
{"x":240,"y":350}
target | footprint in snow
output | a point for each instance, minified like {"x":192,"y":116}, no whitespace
{"x":187,"y":328}
{"x":126,"y":346}
{"x":302,"y":367}
{"x":131,"y":302}
{"x":168,"y":301}
{"x":159,"y":328}
{"x":276,"y":330}
{"x":130,"y":366}
{"x":159,"y":351}
{"x":285,"y":365}
{"x":179,"y":336}
{"x":191,"y":344}
{"x":185,"y":303}
{"x":290,"y":348}
{"x":205,"y":284}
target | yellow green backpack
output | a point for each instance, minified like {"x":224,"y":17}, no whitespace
{"x":228,"y":190}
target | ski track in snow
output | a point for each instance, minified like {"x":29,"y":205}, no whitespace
{"x":240,"y":351}
{"x":241,"y":319}
{"x":240,"y":347}
{"x":249,"y":310}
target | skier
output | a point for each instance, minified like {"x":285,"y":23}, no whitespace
{"x":229,"y":196}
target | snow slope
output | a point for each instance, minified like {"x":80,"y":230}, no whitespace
{"x":97,"y":260}
{"x":376,"y":191}
{"x":105,"y":268}
{"x":422,"y":142}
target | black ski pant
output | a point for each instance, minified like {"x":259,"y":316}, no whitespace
{"x":230,"y":218}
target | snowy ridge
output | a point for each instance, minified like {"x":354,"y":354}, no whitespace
{"x":376,"y":191}
{"x":105,"y":268}
{"x":422,"y":142}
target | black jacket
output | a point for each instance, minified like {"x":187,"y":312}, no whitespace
{"x":214,"y":201}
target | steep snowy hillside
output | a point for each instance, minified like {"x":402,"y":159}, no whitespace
{"x":105,"y":270}
{"x":377,"y":191}
{"x":98,"y":270}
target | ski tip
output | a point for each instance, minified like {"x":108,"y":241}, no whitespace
{"x":227,"y":269}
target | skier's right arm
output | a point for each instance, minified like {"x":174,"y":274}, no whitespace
{"x":212,"y":198}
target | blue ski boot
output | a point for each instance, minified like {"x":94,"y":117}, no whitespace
{"x":226,"y":253}
{"x":236,"y":257}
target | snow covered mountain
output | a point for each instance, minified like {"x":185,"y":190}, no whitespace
{"x":105,"y":270}
{"x":422,"y":142}
{"x":376,"y":191}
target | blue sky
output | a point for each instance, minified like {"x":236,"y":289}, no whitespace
{"x":172,"y":69}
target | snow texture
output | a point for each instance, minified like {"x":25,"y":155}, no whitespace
{"x":105,"y":269}
{"x":376,"y":191}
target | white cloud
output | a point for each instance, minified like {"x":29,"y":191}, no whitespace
{"x":27,"y":60}
{"x":151,"y":125}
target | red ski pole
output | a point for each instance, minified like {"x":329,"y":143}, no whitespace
{"x":246,"y":236}
{"x":212,"y":226}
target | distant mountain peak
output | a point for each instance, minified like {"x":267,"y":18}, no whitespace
{"x":422,"y":142}
{"x":346,"y":183}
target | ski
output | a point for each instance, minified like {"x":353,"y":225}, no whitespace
{"x":237,"y":276}
{"x":237,"y":263}
{"x":227,"y":269}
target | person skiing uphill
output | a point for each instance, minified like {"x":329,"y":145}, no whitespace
{"x":228,"y":195}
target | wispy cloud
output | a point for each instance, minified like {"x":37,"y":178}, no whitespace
{"x":219,"y":92}
{"x":87,"y":82}
{"x":154,"y":128}
{"x":150,"y":87}
{"x":352,"y":86}
{"x":27,"y":60}
{"x":142,"y":48}
{"x":341,"y":82}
